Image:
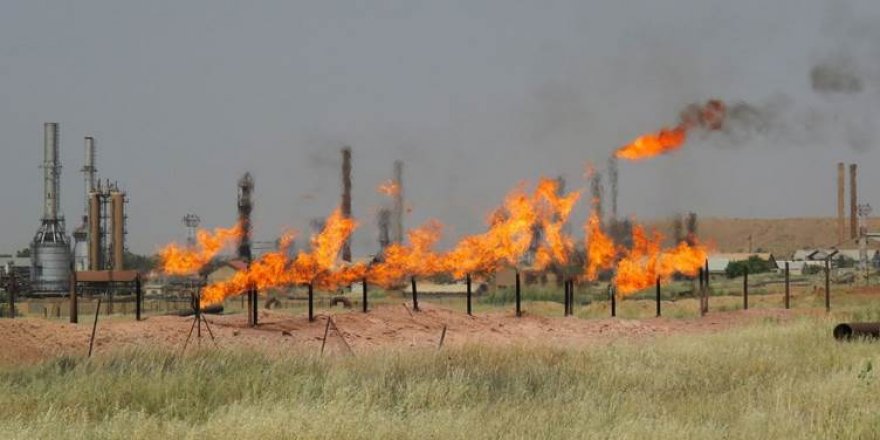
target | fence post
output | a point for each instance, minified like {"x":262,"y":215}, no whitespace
{"x":827,"y":285}
{"x":787,"y":287}
{"x":518,"y":296}
{"x":137,"y":297}
{"x":469,"y":293}
{"x":74,"y":306}
{"x":658,"y":296}
{"x":365,"y":294}
{"x":311,"y":303}
{"x":746,"y":289}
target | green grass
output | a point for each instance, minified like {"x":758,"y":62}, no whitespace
{"x":768,"y":380}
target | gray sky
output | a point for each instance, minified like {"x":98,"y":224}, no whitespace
{"x":183,"y":97}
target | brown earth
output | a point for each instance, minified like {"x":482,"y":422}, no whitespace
{"x":31,"y":340}
{"x":780,"y":236}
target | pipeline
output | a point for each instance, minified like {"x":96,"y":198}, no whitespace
{"x":855,"y":330}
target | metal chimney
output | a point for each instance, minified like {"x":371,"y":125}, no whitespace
{"x":51,"y":171}
{"x":397,"y":225}
{"x":853,"y":201}
{"x":841,"y":202}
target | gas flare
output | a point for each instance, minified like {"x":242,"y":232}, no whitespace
{"x":709,"y":116}
{"x":601,"y":250}
{"x":389,"y":188}
{"x":317,"y":267}
{"x":416,"y":259}
{"x":180,"y":260}
{"x":554,"y":210}
{"x":646,"y":262}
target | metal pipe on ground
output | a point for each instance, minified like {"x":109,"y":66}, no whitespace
{"x":415,"y":294}
{"x":518,"y":296}
{"x":856,"y":330}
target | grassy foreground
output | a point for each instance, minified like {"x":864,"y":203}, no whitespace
{"x":769,"y":380}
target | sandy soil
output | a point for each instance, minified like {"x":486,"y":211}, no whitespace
{"x":388,"y":326}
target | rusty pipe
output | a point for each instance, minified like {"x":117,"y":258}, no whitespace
{"x":854,"y":330}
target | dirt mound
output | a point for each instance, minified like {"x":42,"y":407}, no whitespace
{"x":386,"y":326}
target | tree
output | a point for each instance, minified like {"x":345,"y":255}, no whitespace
{"x":754,"y":264}
{"x":24,"y":253}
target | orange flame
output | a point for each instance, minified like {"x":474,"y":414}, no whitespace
{"x":317,"y":267}
{"x":416,"y":259}
{"x":389,"y":188}
{"x":645,"y":263}
{"x":554,"y":210}
{"x":709,"y":116}
{"x":601,"y":251}
{"x":178,"y":260}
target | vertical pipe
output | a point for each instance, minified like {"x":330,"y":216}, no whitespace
{"x":311,"y":303}
{"x":787,"y":287}
{"x":841,"y":202}
{"x":346,"y":198}
{"x":853,"y":201}
{"x":827,"y":284}
{"x":746,"y":289}
{"x":95,"y":246}
{"x":415,"y":294}
{"x":658,"y":296}
{"x":397,"y":221}
{"x":469,"y":295}
{"x":365,"y":295}
{"x":518,"y":296}
{"x":117,"y":208}
{"x":138,"y":297}
{"x":74,"y":307}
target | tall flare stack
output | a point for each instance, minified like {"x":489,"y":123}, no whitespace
{"x":841,"y":202}
{"x":81,"y":251}
{"x":397,"y":211}
{"x":245,"y":207}
{"x":853,"y":201}
{"x":50,"y":249}
{"x":346,"y":198}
